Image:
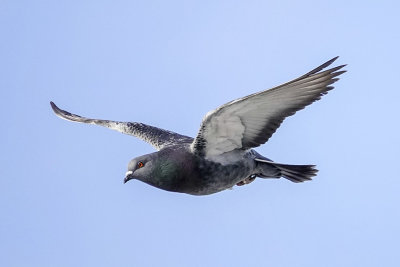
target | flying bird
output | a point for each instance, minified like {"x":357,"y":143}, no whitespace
{"x":222,"y":155}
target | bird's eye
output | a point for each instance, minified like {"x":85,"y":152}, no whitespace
{"x":140,"y":164}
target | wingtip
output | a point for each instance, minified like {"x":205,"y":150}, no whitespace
{"x":62,"y":113}
{"x":55,"y":108}
{"x":320,"y":68}
{"x":333,"y":59}
{"x":329,"y":62}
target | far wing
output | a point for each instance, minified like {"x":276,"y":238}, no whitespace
{"x":250,"y":121}
{"x":156,"y":137}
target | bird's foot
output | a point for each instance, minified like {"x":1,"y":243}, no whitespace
{"x":248,"y":180}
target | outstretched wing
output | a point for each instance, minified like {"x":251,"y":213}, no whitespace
{"x":156,"y":137}
{"x":250,"y":121}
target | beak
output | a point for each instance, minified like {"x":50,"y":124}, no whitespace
{"x":128,"y":176}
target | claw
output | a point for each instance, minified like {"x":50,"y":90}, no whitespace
{"x":248,"y":180}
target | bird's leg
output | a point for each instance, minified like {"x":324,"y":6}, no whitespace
{"x":248,"y":180}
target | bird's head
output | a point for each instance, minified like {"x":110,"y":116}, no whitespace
{"x":140,"y":168}
{"x":160,"y":169}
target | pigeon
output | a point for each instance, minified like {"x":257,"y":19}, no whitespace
{"x":222,"y":154}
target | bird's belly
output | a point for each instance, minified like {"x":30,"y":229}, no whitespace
{"x":217,"y":178}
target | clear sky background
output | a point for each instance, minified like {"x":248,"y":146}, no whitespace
{"x":167,"y":63}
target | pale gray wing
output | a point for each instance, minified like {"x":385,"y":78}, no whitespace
{"x":156,"y":137}
{"x":250,"y":121}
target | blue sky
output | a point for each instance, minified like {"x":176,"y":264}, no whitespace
{"x":167,"y":63}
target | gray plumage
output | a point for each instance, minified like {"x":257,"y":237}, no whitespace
{"x":221,"y":154}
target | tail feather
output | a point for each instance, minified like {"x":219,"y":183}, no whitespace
{"x":294,"y":173}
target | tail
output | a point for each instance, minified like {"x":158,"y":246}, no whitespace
{"x":294,"y":173}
